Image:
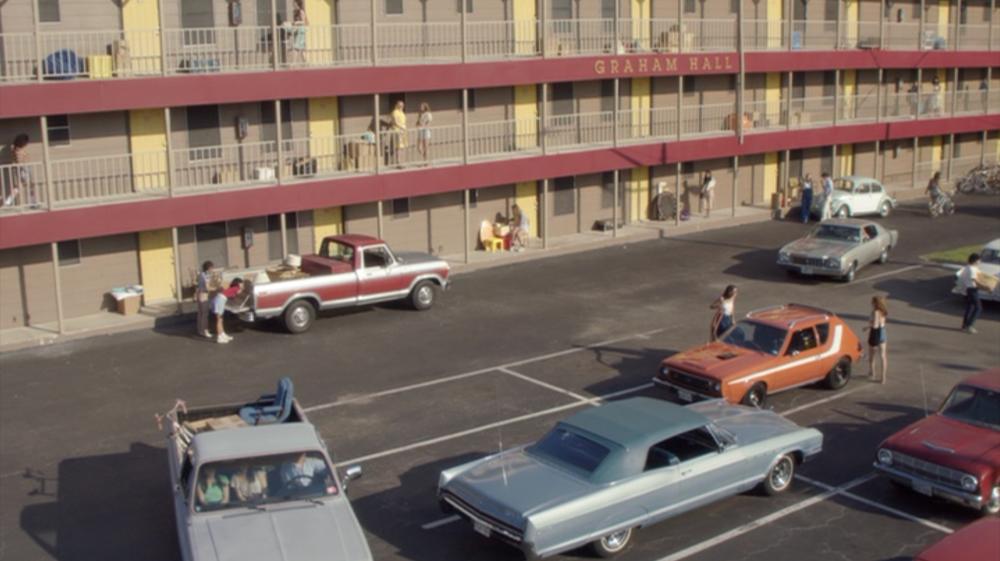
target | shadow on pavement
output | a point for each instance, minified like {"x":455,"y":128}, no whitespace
{"x":115,"y":506}
{"x":634,"y":366}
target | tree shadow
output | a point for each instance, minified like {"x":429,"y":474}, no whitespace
{"x":632,"y":366}
{"x":114,"y":506}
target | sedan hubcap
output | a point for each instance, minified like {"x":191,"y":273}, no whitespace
{"x":781,"y":474}
{"x":616,"y":541}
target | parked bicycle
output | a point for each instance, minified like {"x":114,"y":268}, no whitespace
{"x":982,"y":180}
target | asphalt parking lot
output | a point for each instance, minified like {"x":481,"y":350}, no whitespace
{"x":506,"y":353}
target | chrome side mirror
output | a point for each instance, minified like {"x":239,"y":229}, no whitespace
{"x":352,"y":472}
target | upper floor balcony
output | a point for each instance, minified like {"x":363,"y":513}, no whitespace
{"x":89,"y":181}
{"x":119,"y":54}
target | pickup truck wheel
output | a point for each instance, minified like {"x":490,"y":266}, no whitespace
{"x":839,"y":375}
{"x":298,"y":317}
{"x":756,"y":396}
{"x":779,"y":477}
{"x":423,"y":295}
{"x":992,"y":506}
{"x":612,"y":544}
{"x":884,"y":209}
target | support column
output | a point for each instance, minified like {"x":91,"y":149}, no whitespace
{"x":920,"y":90}
{"x":834,"y":163}
{"x":786,"y":173}
{"x":954,"y":90}
{"x":788,"y":104}
{"x":618,"y":39}
{"x":178,"y":291}
{"x":378,"y":137}
{"x":990,"y":32}
{"x":789,"y":14}
{"x":878,"y":97}
{"x":378,"y":219}
{"x":284,"y":233}
{"x":740,"y":91}
{"x":544,"y":24}
{"x":37,"y":28}
{"x":920,"y":35}
{"x":982,"y":148}
{"x":951,"y":154}
{"x":171,"y":171}
{"x":881,"y":29}
{"x":464,"y":31}
{"x":836,"y":96}
{"x":374,"y":33}
{"x":545,"y":213}
{"x":958,"y":23}
{"x":50,"y":198}
{"x":879,"y":164}
{"x":916,"y":149}
{"x":465,"y":223}
{"x":465,"y":124}
{"x":680,"y":28}
{"x":840,"y":25}
{"x":545,"y":117}
{"x":680,"y":105}
{"x":163,"y":37}
{"x":58,"y":283}
{"x":736,"y":183}
{"x":677,"y":194}
{"x":275,"y":38}
{"x":279,"y":171}
{"x":614,"y":212}
{"x":614,"y":137}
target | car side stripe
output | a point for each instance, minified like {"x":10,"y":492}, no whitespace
{"x":834,"y":349}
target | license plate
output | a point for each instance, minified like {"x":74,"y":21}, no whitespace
{"x":685,"y":395}
{"x":922,"y":488}
{"x":481,"y":528}
{"x":807,"y":270}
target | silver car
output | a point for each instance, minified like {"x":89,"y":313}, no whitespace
{"x":855,"y":195}
{"x":599,"y":475}
{"x":839,"y":248}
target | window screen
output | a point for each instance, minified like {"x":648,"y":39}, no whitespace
{"x":607,"y":99}
{"x":198,"y":21}
{"x":212,"y":244}
{"x":58,"y":129}
{"x":562,"y":98}
{"x":563,"y":196}
{"x":690,"y":6}
{"x":468,"y":6}
{"x":69,"y":252}
{"x":829,"y":83}
{"x":830,"y":10}
{"x":393,"y":7}
{"x":826,"y":160}
{"x":48,"y":11}
{"x":204,"y":136}
{"x":400,"y":208}
{"x":562,"y":9}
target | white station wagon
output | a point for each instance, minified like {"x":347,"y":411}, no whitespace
{"x":855,"y":195}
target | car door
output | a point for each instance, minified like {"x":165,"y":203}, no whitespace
{"x":800,"y":360}
{"x":380,"y":276}
{"x":862,"y":199}
{"x":878,"y":194}
{"x":871,"y":244}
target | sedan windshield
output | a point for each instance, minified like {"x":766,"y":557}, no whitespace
{"x":977,"y":406}
{"x":570,"y":449}
{"x":251,"y":482}
{"x":756,"y":336}
{"x":837,"y":232}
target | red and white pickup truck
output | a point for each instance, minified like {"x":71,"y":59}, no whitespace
{"x":349,"y":270}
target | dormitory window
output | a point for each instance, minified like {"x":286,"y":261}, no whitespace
{"x":69,"y":252}
{"x":393,"y":7}
{"x":608,"y":190}
{"x":274,"y":252}
{"x":562,"y":9}
{"x":608,"y":13}
{"x":400,"y":208}
{"x":831,"y":9}
{"x":826,"y":160}
{"x":58,"y":129}
{"x":562,"y":98}
{"x":203,"y":132}
{"x":48,"y":11}
{"x":468,"y":6}
{"x":267,"y":120}
{"x":198,"y":19}
{"x":563,"y":196}
{"x":210,"y":239}
{"x":734,"y":6}
{"x":829,"y":83}
{"x":607,"y":100}
{"x":690,"y":6}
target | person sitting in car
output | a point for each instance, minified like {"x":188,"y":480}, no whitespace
{"x":213,"y":489}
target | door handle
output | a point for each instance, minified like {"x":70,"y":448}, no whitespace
{"x":685,"y":472}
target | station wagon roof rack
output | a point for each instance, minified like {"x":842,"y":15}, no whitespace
{"x":818,"y":312}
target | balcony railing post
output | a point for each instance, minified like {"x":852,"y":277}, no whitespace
{"x":836,"y":96}
{"x":39,"y":59}
{"x":680,"y":106}
{"x":881,"y":24}
{"x":920,"y":32}
{"x":920,"y":91}
{"x":543,"y":129}
{"x":543,"y":23}
{"x":788,"y":104}
{"x":279,"y":171}
{"x":615,"y":119}
{"x":275,"y":39}
{"x":839,"y":27}
{"x":740,"y":91}
{"x":163,"y":38}
{"x":464,"y":31}
{"x":47,"y":164}
{"x":617,"y":36}
{"x":378,"y":136}
{"x":465,"y":124}
{"x":958,"y":22}
{"x":171,"y":168}
{"x":374,"y":33}
{"x":878,"y":97}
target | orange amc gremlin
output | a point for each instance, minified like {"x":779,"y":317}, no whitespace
{"x":771,"y":350}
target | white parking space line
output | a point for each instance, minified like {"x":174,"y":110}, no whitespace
{"x":446,"y":379}
{"x":879,"y":276}
{"x":880,"y":506}
{"x":834,"y":397}
{"x":546,"y":385}
{"x":442,"y":522}
{"x":763,"y":521}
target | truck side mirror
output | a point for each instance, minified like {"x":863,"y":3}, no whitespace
{"x":352,"y":472}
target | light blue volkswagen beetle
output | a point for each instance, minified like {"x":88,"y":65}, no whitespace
{"x":599,"y":475}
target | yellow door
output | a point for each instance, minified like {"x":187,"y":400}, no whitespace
{"x":851,"y":25}
{"x":638,"y":193}
{"x":944,"y":6}
{"x":156,"y":265}
{"x":937,"y":151}
{"x":640,"y":22}
{"x":846,"y":153}
{"x":774,"y":27}
{"x":324,"y":119}
{"x":850,"y":79}
{"x":526,"y":197}
{"x":319,"y":37}
{"x":148,"y":143}
{"x":327,"y":222}
{"x":140,"y":53}
{"x":525,"y":116}
{"x":525,"y":33}
{"x":770,"y":175}
{"x":641,"y":100}
{"x":772,"y":98}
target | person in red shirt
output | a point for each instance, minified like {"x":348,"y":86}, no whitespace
{"x":219,"y":308}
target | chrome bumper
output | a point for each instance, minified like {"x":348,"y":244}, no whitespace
{"x":698,"y":396}
{"x":931,"y":488}
{"x":501,"y":533}
{"x":812,"y":271}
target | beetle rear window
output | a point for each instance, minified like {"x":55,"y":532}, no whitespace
{"x":570,"y":449}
